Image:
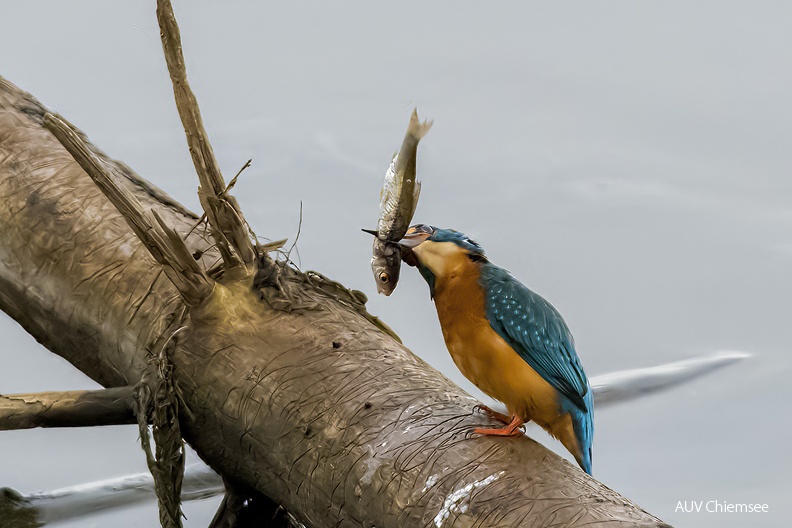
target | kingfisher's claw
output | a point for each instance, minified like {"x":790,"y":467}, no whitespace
{"x":495,"y":415}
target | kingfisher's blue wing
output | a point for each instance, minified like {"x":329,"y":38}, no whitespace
{"x":536,"y":331}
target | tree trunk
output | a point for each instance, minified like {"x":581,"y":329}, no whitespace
{"x":289,"y":387}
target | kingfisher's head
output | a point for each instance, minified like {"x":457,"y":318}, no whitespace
{"x":439,"y":252}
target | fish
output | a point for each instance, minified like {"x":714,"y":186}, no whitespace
{"x":386,"y":265}
{"x":398,"y":200}
{"x":401,"y":189}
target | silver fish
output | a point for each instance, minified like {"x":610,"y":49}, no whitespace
{"x":386,"y":265}
{"x":400,"y":191}
{"x":398,"y":200}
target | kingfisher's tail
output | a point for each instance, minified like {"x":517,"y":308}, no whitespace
{"x":583,"y":425}
{"x":577,"y":432}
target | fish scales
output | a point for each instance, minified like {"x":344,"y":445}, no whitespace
{"x":401,"y":189}
{"x":398,"y":200}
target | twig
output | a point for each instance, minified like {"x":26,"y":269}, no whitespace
{"x":234,"y":179}
{"x":297,"y":237}
{"x":228,"y":188}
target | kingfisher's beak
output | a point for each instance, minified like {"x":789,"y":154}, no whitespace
{"x":416,"y":235}
{"x":412,"y":240}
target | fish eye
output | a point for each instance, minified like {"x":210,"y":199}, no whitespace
{"x":384,"y":277}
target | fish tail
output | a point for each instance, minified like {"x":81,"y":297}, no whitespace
{"x":417,"y":129}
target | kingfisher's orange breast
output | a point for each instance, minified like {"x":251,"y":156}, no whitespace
{"x":481,"y":354}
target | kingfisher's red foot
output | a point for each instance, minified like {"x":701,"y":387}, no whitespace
{"x":513,"y":429}
{"x":495,"y":415}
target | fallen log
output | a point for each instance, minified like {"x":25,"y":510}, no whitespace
{"x":288,"y":386}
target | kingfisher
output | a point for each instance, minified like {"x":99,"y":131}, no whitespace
{"x":507,"y":340}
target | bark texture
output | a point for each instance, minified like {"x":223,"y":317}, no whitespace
{"x":290,"y":387}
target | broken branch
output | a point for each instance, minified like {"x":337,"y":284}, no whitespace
{"x":228,"y":225}
{"x":167,"y":248}
{"x":83,"y":408}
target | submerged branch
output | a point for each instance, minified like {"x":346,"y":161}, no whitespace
{"x":75,"y":502}
{"x":630,"y":384}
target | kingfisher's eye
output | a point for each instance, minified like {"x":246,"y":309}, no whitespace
{"x":384,"y":277}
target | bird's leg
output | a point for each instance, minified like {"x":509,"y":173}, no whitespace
{"x":513,"y":429}
{"x":495,"y":415}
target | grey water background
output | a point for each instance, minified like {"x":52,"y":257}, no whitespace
{"x":628,"y":161}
